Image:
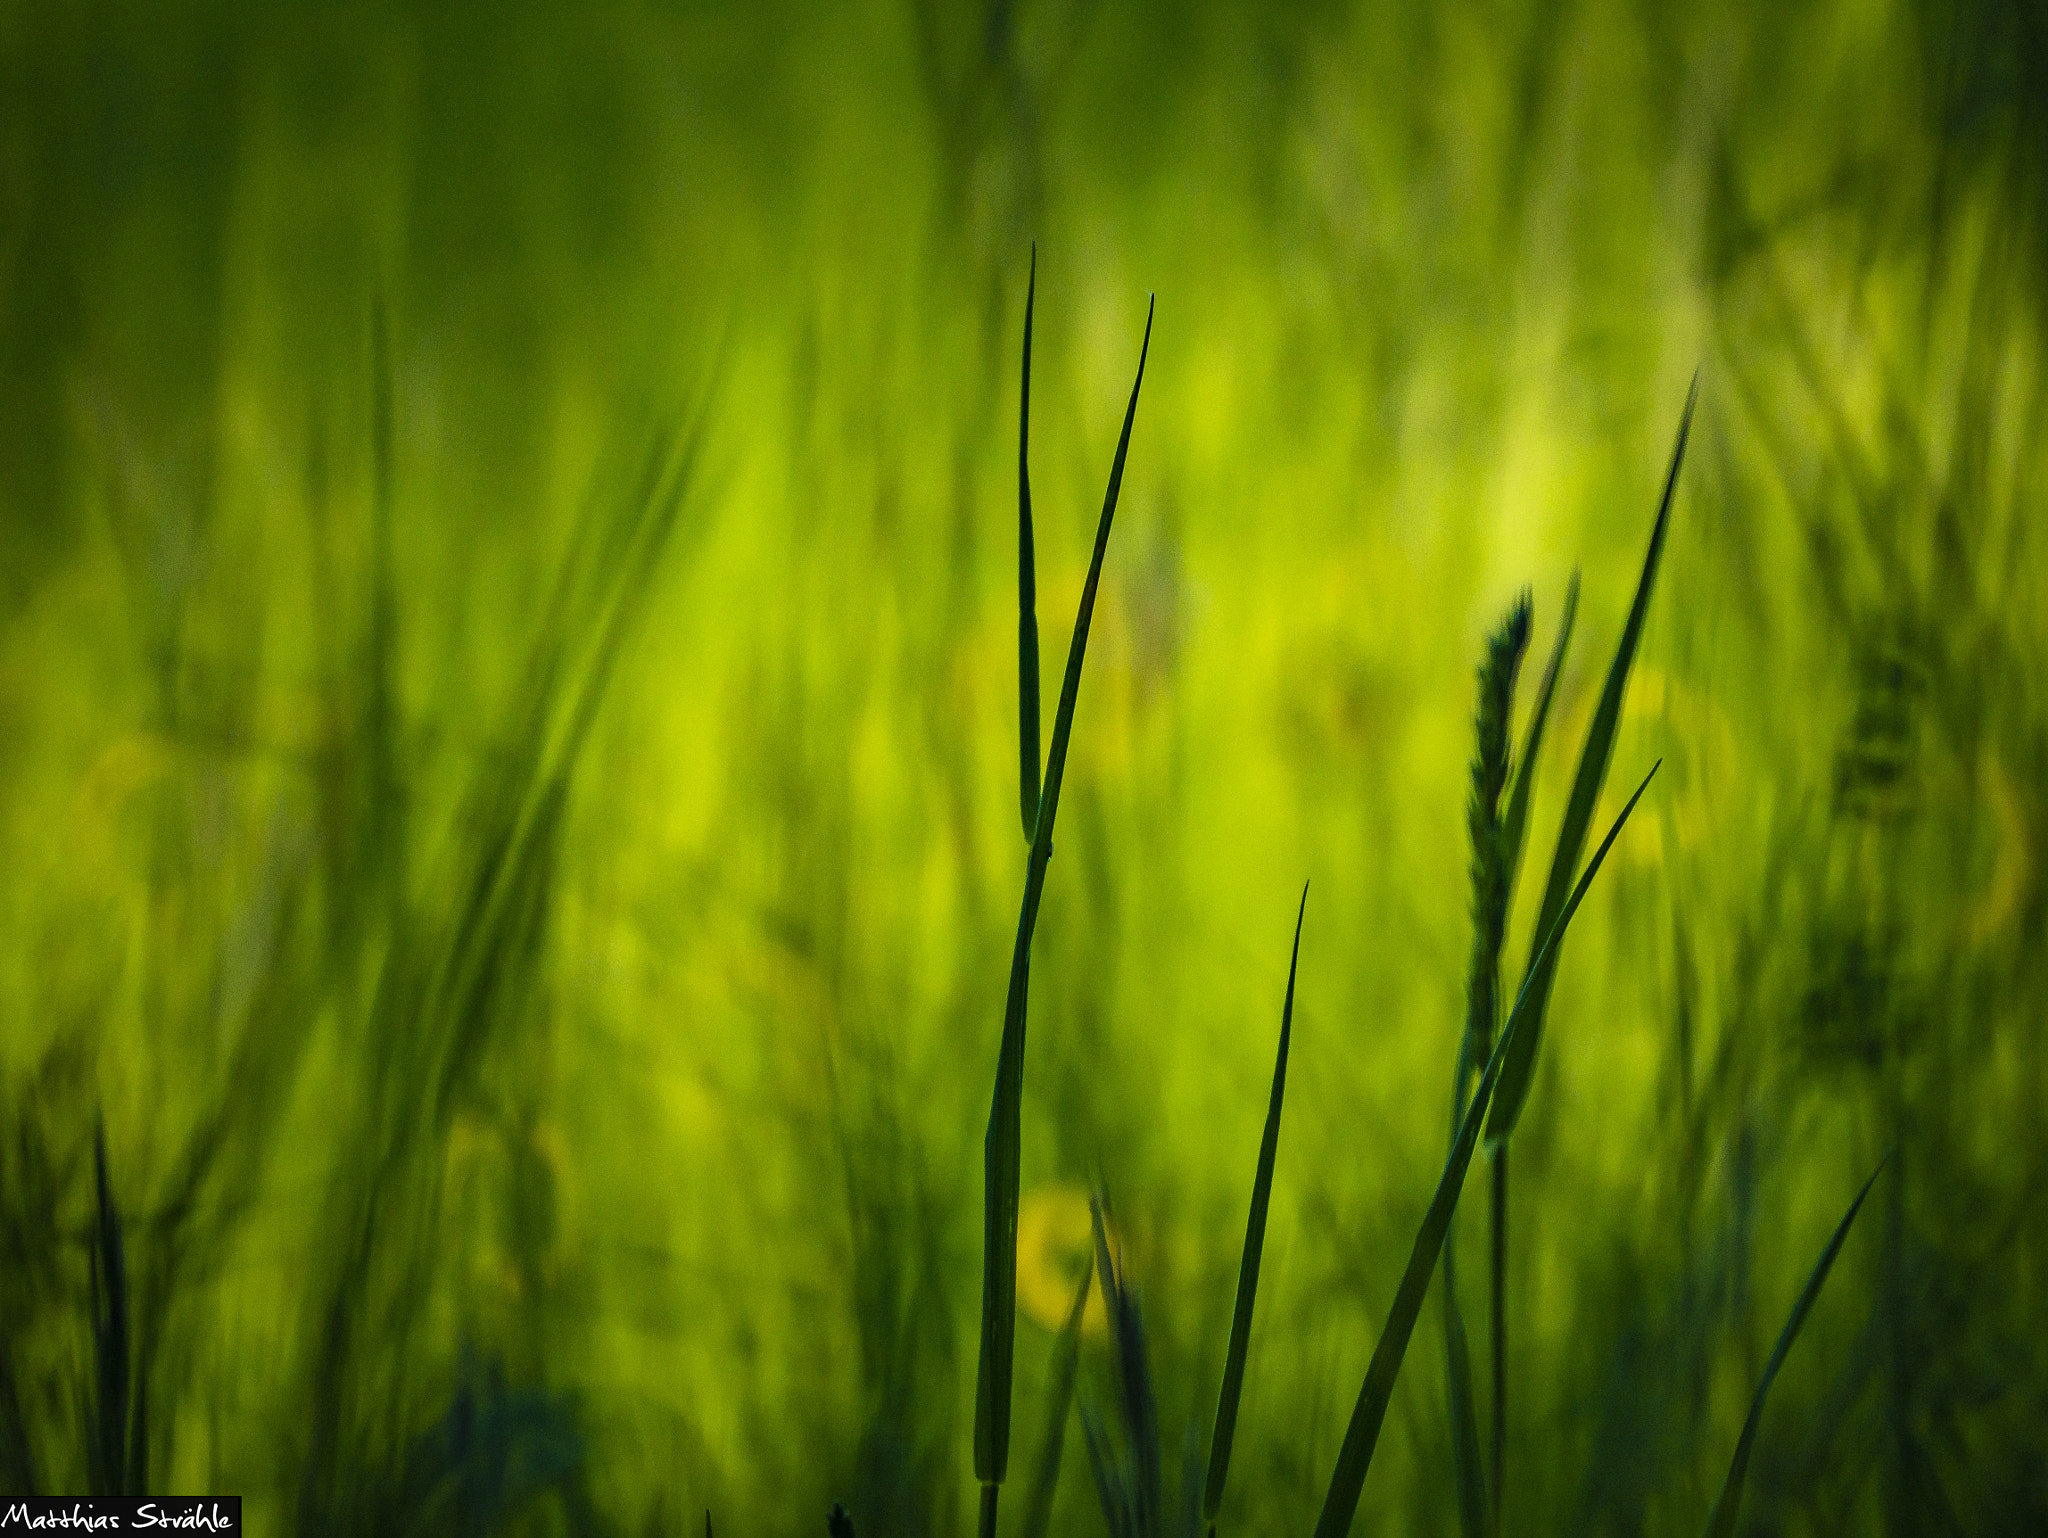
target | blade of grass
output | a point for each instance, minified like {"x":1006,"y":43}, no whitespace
{"x":1497,"y":1345}
{"x":1721,"y":1524}
{"x":110,"y":1469}
{"x":1254,"y":1245}
{"x":1362,"y":1435}
{"x":1103,"y":1464}
{"x":1465,"y":1458}
{"x":1027,"y":582}
{"x":1132,"y":1371}
{"x":1002,"y":1152}
{"x":1571,"y":839}
{"x":1066,"y":1362}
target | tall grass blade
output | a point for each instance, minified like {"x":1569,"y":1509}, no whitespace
{"x":1002,"y":1152}
{"x":1254,"y":1246}
{"x":1721,"y":1524}
{"x":1467,"y":1463}
{"x":1066,"y":1362}
{"x":1070,"y":685}
{"x":1132,"y":1370}
{"x":1187,"y":1517}
{"x":1027,"y":582}
{"x":1362,"y":1435}
{"x":1517,"y":828}
{"x":1571,"y":839}
{"x":109,"y":1465}
{"x":1103,"y":1465}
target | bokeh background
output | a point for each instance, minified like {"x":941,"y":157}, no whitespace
{"x":509,"y":785}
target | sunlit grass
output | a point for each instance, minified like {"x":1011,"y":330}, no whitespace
{"x":614,"y":1078}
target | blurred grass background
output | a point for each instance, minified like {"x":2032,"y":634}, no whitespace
{"x":509,"y":787}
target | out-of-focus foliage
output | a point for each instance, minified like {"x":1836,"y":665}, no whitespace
{"x":509,"y":777}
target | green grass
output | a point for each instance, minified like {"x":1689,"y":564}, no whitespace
{"x":507,"y":642}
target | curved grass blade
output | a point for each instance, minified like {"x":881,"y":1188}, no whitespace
{"x":1362,"y":1435}
{"x":1578,"y":817}
{"x":1517,"y":826}
{"x":1070,"y":684}
{"x":1254,"y":1245}
{"x":1721,"y":1524}
{"x":1066,"y":1362}
{"x":1001,"y":1149}
{"x":1027,"y":583}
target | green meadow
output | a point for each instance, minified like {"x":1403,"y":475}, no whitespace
{"x":513,"y":691}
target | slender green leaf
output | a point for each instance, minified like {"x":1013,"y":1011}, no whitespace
{"x":1490,"y":889}
{"x":1254,"y":1245}
{"x":1027,"y":582}
{"x":1571,"y":839}
{"x":1066,"y":1362}
{"x":1002,"y":1148}
{"x":109,"y":1470}
{"x":1108,"y":1473}
{"x":1721,"y":1524}
{"x":1070,"y":684}
{"x":1517,"y":829}
{"x":1132,"y":1370}
{"x":1467,"y":1464}
{"x":1362,"y":1435}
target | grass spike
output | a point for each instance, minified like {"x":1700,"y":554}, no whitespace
{"x":1027,"y":582}
{"x":1517,"y":829}
{"x":1721,"y":1523}
{"x":1340,"y":1505}
{"x":1519,"y":1074}
{"x":1489,"y":869}
{"x":1002,"y":1147}
{"x":1254,"y":1246}
{"x":1491,"y":880}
